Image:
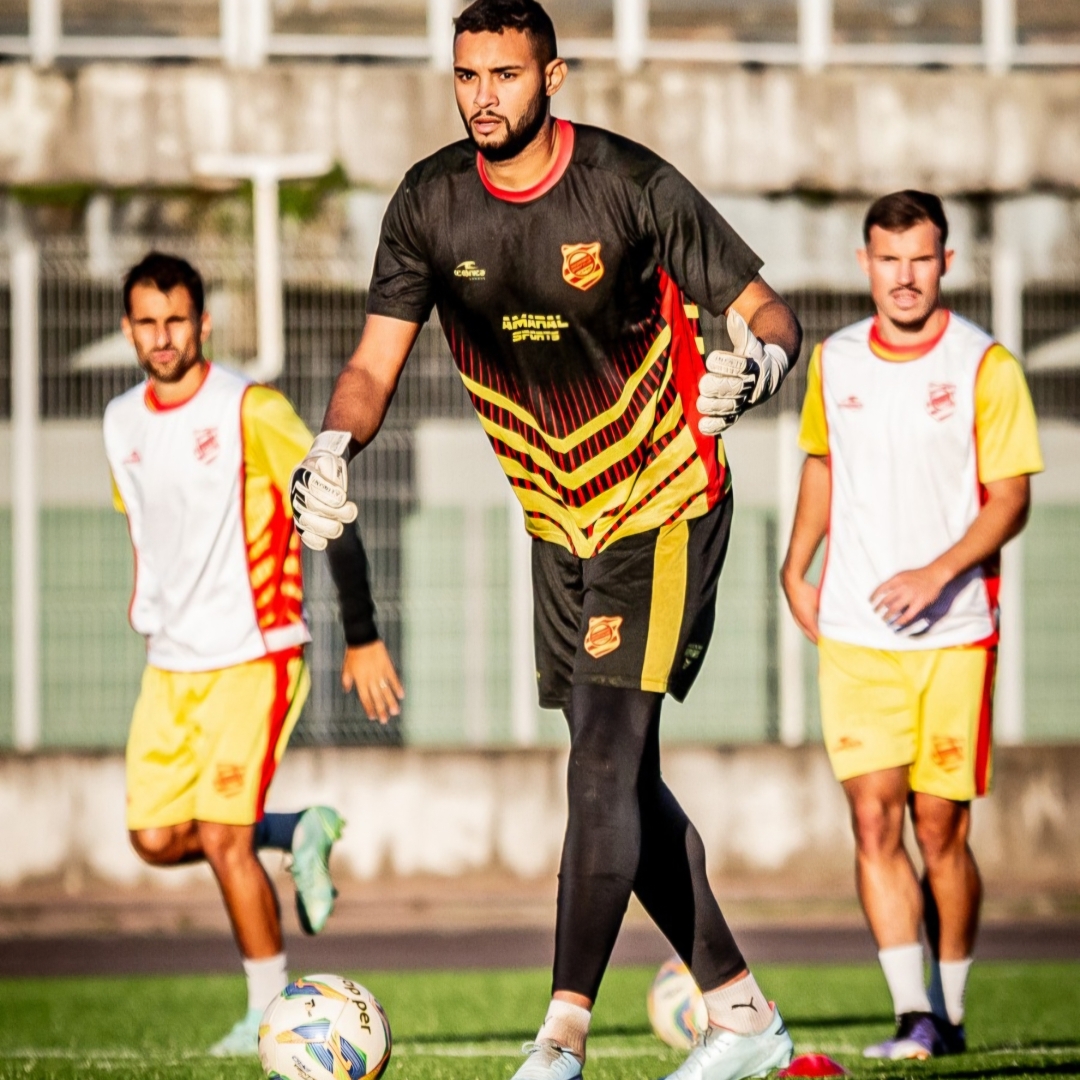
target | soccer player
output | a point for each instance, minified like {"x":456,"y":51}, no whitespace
{"x":201,"y":461}
{"x":920,"y":436}
{"x":567,"y":265}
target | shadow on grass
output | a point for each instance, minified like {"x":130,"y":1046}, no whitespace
{"x":838,"y":1021}
{"x":1053,"y":1068}
{"x":519,"y":1035}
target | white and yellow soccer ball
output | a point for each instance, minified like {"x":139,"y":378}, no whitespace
{"x":676,"y":1008}
{"x":324,"y":1027}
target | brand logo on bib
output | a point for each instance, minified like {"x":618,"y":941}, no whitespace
{"x":603,"y":635}
{"x":206,"y":444}
{"x":941,"y":400}
{"x":581,"y":265}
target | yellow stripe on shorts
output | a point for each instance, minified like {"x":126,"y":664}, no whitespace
{"x":667,"y":606}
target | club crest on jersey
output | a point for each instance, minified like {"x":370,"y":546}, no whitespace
{"x":941,"y":400}
{"x":603,"y":635}
{"x":207,"y":446}
{"x":581,"y":265}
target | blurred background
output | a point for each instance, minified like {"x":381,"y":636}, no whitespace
{"x":262,"y":139}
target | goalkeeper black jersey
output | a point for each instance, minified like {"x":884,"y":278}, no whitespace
{"x":571,"y":313}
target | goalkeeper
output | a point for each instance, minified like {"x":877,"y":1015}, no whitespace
{"x":567,"y":265}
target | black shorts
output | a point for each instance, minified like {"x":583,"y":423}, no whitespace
{"x":639,"y":615}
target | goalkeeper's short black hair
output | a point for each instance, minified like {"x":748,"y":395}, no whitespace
{"x":902,"y":209}
{"x":165,"y":273}
{"x":495,"y":16}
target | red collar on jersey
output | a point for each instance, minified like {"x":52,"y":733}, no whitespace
{"x":886,"y":350}
{"x":155,"y":404}
{"x":565,"y":135}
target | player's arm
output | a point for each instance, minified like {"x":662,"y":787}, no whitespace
{"x":400,"y":298}
{"x":808,"y":530}
{"x":1008,"y":452}
{"x":367,"y":667}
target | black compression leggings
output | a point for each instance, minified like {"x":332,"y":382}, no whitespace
{"x":627,"y":833}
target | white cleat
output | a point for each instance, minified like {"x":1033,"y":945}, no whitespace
{"x":548,"y":1060}
{"x":242,"y":1040}
{"x":722,"y":1055}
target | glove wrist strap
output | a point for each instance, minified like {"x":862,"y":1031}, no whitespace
{"x":332,"y":442}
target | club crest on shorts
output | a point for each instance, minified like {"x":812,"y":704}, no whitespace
{"x":228,"y":779}
{"x":941,"y":400}
{"x":581,"y":265}
{"x":947,"y":752}
{"x":603,"y":635}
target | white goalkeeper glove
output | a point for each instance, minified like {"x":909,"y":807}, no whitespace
{"x":737,"y":380}
{"x":319,"y":491}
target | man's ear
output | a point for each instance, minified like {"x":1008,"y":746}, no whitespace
{"x":947,"y":258}
{"x":205,"y":326}
{"x":129,"y":333}
{"x":864,"y":260}
{"x":554,"y":76}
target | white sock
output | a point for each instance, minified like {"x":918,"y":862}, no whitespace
{"x":265,"y":980}
{"x":952,"y":978}
{"x":740,"y":1007}
{"x":567,"y":1025}
{"x":903,"y":967}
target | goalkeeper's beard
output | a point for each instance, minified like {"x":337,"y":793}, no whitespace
{"x":517,"y":138}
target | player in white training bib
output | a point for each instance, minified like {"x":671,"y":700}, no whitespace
{"x":920,"y":436}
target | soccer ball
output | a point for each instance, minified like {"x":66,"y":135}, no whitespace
{"x":324,"y":1027}
{"x":676,"y":1008}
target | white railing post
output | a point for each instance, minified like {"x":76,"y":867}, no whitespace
{"x":999,"y":34}
{"x":792,"y":691}
{"x":25,"y":494}
{"x":245,"y":32}
{"x":523,"y":725}
{"x":631,"y":28}
{"x":1006,"y":299}
{"x":45,"y":31}
{"x":440,"y":34}
{"x":815,"y":33}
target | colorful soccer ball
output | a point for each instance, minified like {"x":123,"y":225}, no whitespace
{"x":324,"y":1027}
{"x":676,"y":1008}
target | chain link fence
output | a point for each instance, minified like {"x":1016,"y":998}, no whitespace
{"x":442,"y":571}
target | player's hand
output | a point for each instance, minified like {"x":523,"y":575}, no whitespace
{"x":319,"y":491}
{"x":802,"y":598}
{"x":737,"y":380}
{"x":369,"y":669}
{"x":901,"y":599}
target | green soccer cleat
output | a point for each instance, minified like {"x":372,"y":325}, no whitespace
{"x":316,"y":831}
{"x":242,"y":1040}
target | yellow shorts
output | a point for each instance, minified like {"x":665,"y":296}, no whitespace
{"x":204,"y":745}
{"x":929,"y":709}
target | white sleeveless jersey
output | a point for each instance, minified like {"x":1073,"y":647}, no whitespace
{"x":905,"y":485}
{"x":180,"y":473}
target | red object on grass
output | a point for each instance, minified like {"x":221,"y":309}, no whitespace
{"x":814,"y":1065}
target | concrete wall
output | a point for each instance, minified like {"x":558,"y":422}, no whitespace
{"x":765,"y":813}
{"x":729,"y":129}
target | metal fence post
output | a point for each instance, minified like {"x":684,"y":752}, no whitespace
{"x":245,"y":32}
{"x":631,"y":29}
{"x":999,"y":34}
{"x":815,"y":33}
{"x":45,"y":31}
{"x":25,"y":493}
{"x":1006,"y":298}
{"x":440,"y":34}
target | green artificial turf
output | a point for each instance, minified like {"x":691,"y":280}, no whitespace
{"x":1023,"y":1021}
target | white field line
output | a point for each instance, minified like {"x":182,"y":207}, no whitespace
{"x":465,"y":1050}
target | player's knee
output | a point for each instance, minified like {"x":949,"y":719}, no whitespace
{"x":159,"y":847}
{"x":226,"y":846}
{"x":939,"y":841}
{"x":878,"y":827}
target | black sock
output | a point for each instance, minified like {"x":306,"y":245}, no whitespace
{"x":276,"y":830}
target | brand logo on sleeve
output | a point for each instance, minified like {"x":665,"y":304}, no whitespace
{"x":941,"y":400}
{"x":133,"y":458}
{"x":581,"y":265}
{"x":468,"y":269}
{"x":207,"y":446}
{"x":603,"y":635}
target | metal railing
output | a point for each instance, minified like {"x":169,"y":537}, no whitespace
{"x":246,"y":38}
